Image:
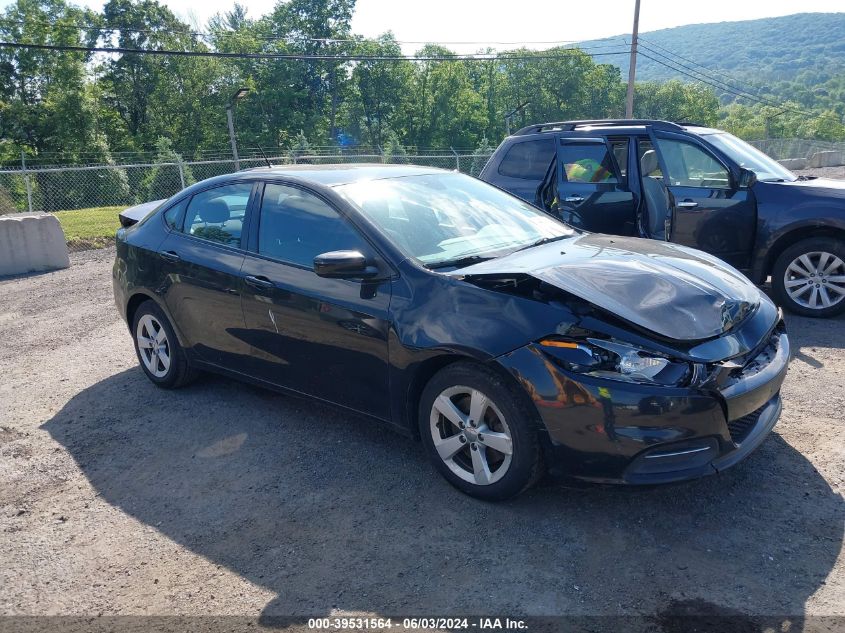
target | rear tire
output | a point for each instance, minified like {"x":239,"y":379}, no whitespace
{"x":159,"y":352}
{"x":808,"y":278}
{"x":480,"y":432}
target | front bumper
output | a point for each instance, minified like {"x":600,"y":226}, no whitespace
{"x":609,"y":431}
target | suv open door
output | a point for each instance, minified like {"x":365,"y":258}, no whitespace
{"x":587,"y":186}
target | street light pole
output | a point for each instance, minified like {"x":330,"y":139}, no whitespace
{"x":632,"y":69}
{"x":232,"y":137}
{"x":230,"y":120}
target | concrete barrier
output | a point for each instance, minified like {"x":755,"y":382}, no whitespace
{"x":794,"y":163}
{"x":832,"y":158}
{"x":31,"y":242}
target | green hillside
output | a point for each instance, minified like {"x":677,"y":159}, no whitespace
{"x":770,"y":54}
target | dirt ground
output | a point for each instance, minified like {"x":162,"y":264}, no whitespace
{"x":118,"y":498}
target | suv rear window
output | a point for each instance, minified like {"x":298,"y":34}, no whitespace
{"x":528,"y":160}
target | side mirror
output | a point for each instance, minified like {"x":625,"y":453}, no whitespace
{"x":344,"y":265}
{"x":747,"y":178}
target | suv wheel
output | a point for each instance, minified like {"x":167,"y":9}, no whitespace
{"x":479,"y":433}
{"x":809,"y":277}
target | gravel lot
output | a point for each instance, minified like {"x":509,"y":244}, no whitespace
{"x":119,"y":498}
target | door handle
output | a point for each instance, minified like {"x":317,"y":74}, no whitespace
{"x":687,"y":204}
{"x":260,"y":282}
{"x":170,"y":256}
{"x":575,"y":198}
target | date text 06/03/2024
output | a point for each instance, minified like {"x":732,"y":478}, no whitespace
{"x":418,"y":623}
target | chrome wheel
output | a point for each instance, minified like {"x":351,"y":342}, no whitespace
{"x":471,"y":435}
{"x":815,"y":280}
{"x":153,"y":345}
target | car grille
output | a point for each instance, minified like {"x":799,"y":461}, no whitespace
{"x":741,"y":427}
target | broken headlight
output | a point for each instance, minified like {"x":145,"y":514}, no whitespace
{"x":615,"y":360}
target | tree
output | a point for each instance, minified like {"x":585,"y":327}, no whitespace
{"x":380,"y":89}
{"x":163,"y":180}
{"x":393,"y":150}
{"x":300,"y":147}
{"x":481,"y":156}
{"x":676,"y":101}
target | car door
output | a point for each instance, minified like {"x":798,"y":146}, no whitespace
{"x":710,"y":211}
{"x":323,"y":337}
{"x":590,"y":186}
{"x":202,"y":257}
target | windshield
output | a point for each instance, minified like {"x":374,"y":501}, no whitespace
{"x":443,"y":218}
{"x":751,"y":158}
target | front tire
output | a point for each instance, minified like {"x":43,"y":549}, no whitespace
{"x":479,"y":432}
{"x":808,"y":278}
{"x":159,"y":353}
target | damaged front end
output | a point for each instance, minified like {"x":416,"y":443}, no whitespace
{"x":683,"y":391}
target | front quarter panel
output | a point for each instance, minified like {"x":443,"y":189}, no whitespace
{"x":791,"y":207}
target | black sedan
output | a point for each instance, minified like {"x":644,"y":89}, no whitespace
{"x":510,"y":343}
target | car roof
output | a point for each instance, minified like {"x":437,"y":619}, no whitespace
{"x":340,"y":174}
{"x":612,"y":126}
{"x":324,"y":175}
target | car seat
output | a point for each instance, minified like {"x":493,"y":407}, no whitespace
{"x":656,"y":196}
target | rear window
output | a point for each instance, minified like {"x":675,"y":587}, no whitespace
{"x":528,"y":160}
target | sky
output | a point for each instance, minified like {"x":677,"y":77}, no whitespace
{"x":516,"y":20}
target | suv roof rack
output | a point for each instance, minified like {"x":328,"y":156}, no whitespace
{"x":568,"y":126}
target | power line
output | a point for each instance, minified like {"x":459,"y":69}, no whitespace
{"x":708,"y":72}
{"x":294,"y":38}
{"x":504,"y":56}
{"x":734,"y":89}
{"x":723,"y":88}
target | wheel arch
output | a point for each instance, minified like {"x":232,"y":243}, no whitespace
{"x":793,"y":237}
{"x":431,"y":366}
{"x":138,"y":297}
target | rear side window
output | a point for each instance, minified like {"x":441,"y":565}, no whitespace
{"x":174,"y":215}
{"x":218,"y":214}
{"x":587,"y":162}
{"x":528,"y":160}
{"x":296,"y":226}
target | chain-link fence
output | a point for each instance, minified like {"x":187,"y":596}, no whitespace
{"x":786,"y":148}
{"x":56,"y":188}
{"x":62,"y":188}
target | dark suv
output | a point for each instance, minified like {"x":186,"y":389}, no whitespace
{"x":691,"y":185}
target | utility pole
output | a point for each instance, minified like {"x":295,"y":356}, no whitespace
{"x":240,"y":94}
{"x":632,"y":69}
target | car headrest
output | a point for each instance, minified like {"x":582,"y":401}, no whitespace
{"x":215,"y":211}
{"x":648,"y":163}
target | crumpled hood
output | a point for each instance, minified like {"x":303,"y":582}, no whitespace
{"x":674,"y":291}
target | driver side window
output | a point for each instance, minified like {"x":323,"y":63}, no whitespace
{"x":295,"y":226}
{"x":690,"y":166}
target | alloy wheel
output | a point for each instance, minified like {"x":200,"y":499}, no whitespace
{"x":471,"y":435}
{"x":815,"y":280}
{"x":153,"y":345}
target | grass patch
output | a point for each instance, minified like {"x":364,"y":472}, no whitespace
{"x":89,"y":228}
